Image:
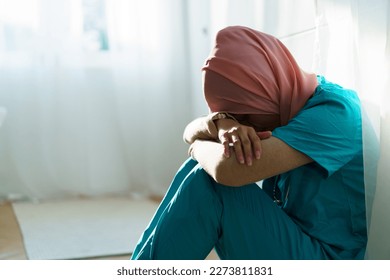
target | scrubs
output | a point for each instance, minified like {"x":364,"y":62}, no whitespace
{"x":321,"y":214}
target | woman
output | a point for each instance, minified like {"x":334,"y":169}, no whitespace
{"x":269,"y":121}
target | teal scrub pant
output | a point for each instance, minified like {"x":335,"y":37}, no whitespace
{"x":197,"y":214}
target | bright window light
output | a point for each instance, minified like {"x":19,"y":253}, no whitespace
{"x":19,"y":12}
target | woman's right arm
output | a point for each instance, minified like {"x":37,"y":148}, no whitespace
{"x":202,"y":128}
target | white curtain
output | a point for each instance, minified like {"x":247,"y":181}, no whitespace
{"x":99,"y":91}
{"x":97,"y":94}
{"x":355,"y":50}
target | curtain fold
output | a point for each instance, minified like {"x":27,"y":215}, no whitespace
{"x":359,"y":37}
{"x":97,"y":92}
{"x":379,"y":245}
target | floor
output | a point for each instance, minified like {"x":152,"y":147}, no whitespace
{"x":11,"y":240}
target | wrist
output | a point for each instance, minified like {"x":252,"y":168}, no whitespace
{"x":215,"y":118}
{"x":225,"y":124}
{"x":221,"y":116}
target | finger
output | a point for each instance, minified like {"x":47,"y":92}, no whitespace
{"x":246,"y":146}
{"x":237,"y":148}
{"x":264,"y":134}
{"x":225,"y":139}
{"x":256,"y":144}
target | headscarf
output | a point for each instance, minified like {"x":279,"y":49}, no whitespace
{"x":250,"y":72}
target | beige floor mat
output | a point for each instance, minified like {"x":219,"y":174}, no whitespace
{"x":77,"y":229}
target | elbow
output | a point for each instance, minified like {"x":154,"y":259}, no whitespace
{"x":187,"y":139}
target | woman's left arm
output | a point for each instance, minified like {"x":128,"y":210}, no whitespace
{"x":277,"y":157}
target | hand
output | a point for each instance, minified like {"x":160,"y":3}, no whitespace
{"x":245,"y":141}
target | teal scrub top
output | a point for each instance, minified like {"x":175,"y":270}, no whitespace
{"x":326,"y":197}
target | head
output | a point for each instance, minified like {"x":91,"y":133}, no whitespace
{"x":253,"y":76}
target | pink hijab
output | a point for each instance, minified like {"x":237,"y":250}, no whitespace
{"x":254,"y":73}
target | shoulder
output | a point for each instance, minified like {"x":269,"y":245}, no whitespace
{"x":332,"y":96}
{"x":328,"y":128}
{"x":330,"y":106}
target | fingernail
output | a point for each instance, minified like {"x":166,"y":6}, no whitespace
{"x":258,"y":154}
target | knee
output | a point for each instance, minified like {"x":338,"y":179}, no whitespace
{"x":199,"y":187}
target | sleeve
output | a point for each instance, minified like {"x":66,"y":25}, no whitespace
{"x":328,"y":130}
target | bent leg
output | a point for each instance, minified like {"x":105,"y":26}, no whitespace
{"x":183,"y":171}
{"x":253,"y":227}
{"x":186,"y":225}
{"x":241,"y":222}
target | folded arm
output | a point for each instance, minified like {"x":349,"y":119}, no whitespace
{"x":277,"y":157}
{"x":235,"y":154}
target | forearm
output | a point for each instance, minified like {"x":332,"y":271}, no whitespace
{"x":276,"y":158}
{"x":202,"y":128}
{"x":224,"y":170}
